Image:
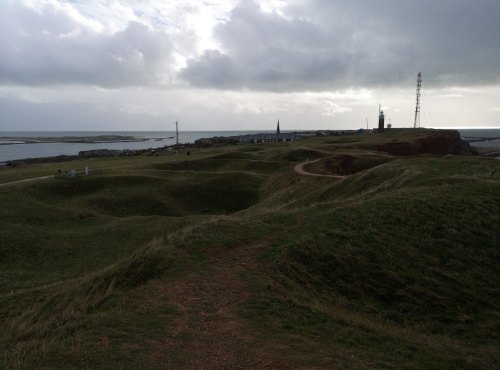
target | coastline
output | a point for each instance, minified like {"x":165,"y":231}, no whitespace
{"x":16,"y":140}
{"x":53,"y":146}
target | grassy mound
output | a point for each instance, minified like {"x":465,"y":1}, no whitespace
{"x":406,"y":262}
{"x":345,"y":164}
{"x":225,"y":165}
{"x":301,"y":155}
{"x":410,"y":243}
{"x":124,"y":196}
{"x":66,"y":309}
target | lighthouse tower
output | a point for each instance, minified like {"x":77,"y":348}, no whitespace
{"x":381,"y":119}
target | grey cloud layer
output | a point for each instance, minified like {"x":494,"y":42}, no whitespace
{"x":328,"y":44}
{"x":314,"y":45}
{"x":52,"y":48}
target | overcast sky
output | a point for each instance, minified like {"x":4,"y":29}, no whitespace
{"x":242,"y":64}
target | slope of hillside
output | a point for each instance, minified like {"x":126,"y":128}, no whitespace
{"x":230,"y":259}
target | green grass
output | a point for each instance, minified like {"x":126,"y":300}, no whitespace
{"x":395,"y":266}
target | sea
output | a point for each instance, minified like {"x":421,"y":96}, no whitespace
{"x":153,"y":139}
{"x":472,"y":136}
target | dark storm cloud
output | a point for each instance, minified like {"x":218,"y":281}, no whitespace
{"x":329,"y":44}
{"x":50,"y":47}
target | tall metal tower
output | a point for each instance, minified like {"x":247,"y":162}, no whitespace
{"x":416,"y":124}
{"x":176,"y":133}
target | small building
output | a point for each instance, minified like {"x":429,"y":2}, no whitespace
{"x":381,"y":119}
{"x":99,"y":153}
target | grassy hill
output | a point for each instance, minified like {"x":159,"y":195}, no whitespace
{"x":228,"y":258}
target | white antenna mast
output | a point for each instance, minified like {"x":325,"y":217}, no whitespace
{"x":176,"y":133}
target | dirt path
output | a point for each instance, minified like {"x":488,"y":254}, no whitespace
{"x":210,"y":332}
{"x":299,"y":168}
{"x":26,"y":180}
{"x":52,"y":176}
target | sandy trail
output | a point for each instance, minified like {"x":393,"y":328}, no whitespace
{"x":299,"y":168}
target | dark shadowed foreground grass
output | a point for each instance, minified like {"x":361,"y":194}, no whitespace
{"x":228,"y":259}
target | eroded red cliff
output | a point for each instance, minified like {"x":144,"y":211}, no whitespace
{"x":429,"y":142}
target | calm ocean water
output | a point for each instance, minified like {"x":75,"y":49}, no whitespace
{"x":20,"y":151}
{"x":475,"y":133}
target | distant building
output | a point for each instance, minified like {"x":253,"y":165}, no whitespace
{"x":381,"y":119}
{"x":265,"y":138}
{"x":278,"y":128}
{"x":99,"y":153}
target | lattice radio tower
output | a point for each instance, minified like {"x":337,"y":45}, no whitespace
{"x":416,"y":124}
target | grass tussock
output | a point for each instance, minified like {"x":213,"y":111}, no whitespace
{"x":70,"y":306}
